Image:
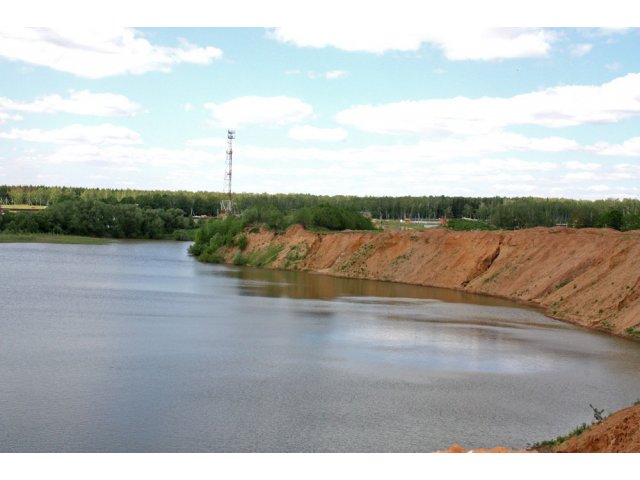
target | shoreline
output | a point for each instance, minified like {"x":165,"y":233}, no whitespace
{"x":589,"y":278}
{"x":65,"y":239}
{"x":53,"y":238}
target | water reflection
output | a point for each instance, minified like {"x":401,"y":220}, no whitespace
{"x":293,"y":284}
{"x":140,"y":348}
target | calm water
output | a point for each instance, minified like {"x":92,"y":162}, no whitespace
{"x":137,"y":347}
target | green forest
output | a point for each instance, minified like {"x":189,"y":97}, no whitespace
{"x":94,"y":218}
{"x":126,"y":213}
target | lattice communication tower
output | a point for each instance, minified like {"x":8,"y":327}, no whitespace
{"x":226,"y":204}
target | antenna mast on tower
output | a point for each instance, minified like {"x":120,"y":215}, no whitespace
{"x":226,"y":205}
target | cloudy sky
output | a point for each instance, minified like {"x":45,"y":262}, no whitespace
{"x":398,"y":110}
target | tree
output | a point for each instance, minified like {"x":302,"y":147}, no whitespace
{"x":613,"y":219}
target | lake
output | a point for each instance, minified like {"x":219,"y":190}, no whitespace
{"x":137,"y":347}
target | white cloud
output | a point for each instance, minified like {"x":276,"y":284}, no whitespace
{"x":575,"y":165}
{"x":627,"y":169}
{"x":598,"y":188}
{"x":259,"y":110}
{"x":187,"y":107}
{"x":554,"y":107}
{"x":629,"y":148}
{"x":374,"y":170}
{"x":97,"y":53}
{"x":191,"y":53}
{"x":613,"y":66}
{"x":619,"y":173}
{"x":491,"y":44}
{"x":581,"y":176}
{"x":216,"y":142}
{"x":5,"y":117}
{"x":461,"y":44}
{"x":514,"y":188}
{"x":612,"y":31}
{"x":494,"y":142}
{"x":485,"y":170}
{"x":80,"y":103}
{"x":335,"y":74}
{"x":329,"y":75}
{"x":305,"y":132}
{"x":581,"y":49}
{"x":76,"y":134}
{"x":130,"y":158}
{"x":393,"y":156}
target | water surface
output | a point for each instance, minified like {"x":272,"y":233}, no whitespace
{"x":134,"y":346}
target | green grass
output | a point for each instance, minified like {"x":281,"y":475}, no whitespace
{"x":606,"y":324}
{"x":50,"y":238}
{"x":397,"y":225}
{"x":295,"y":254}
{"x":550,"y":445}
{"x":401,"y":258}
{"x":492,"y":277}
{"x":562,"y":284}
{"x":324,"y":230}
{"x":258,"y":258}
{"x":357,"y":258}
{"x":182,"y":235}
{"x":633,"y":331}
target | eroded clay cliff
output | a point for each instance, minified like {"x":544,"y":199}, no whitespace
{"x":589,"y":277}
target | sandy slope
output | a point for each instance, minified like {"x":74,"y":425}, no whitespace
{"x":619,"y":432}
{"x":589,"y":277}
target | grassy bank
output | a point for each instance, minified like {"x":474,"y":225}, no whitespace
{"x":50,"y":238}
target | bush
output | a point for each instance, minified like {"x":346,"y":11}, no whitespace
{"x":240,"y":259}
{"x":242,"y":242}
{"x":216,"y":234}
{"x":335,"y":218}
{"x":183,"y":235}
{"x":612,"y":219}
{"x":459,"y":224}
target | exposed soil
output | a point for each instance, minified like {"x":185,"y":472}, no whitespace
{"x":459,"y":449}
{"x":590,"y":277}
{"x":619,"y":432}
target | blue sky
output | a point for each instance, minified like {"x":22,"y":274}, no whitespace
{"x":399,"y":110}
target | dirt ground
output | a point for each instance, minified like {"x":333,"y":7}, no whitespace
{"x":619,"y":432}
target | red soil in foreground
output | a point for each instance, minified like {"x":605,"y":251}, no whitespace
{"x":590,"y":277}
{"x":459,"y":449}
{"x":618,"y":433}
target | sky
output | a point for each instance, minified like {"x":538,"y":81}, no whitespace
{"x":393,"y":110}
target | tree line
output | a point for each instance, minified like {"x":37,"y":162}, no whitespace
{"x":501,"y":212}
{"x":95,"y":218}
